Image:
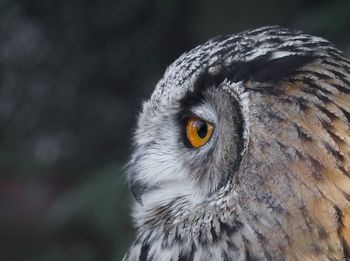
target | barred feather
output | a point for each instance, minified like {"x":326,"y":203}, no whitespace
{"x":274,"y":183}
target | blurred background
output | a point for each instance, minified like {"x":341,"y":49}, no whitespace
{"x":73,"y":75}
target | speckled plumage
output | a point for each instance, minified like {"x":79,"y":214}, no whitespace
{"x":273,"y":182}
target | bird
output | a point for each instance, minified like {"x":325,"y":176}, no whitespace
{"x":242,"y":152}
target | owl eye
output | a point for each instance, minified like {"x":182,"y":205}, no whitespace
{"x":198,"y":131}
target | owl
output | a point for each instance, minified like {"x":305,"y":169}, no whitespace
{"x":242,"y":153}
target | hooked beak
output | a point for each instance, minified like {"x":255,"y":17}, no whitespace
{"x":137,"y":189}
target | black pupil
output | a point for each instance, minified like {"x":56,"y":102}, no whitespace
{"x":202,"y":129}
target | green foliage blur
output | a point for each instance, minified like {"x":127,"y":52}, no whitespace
{"x":73,"y":77}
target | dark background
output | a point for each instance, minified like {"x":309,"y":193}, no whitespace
{"x":73,"y":74}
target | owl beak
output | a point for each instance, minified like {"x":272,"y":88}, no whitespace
{"x":137,"y":189}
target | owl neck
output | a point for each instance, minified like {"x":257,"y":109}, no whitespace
{"x":194,"y":222}
{"x":213,"y":227}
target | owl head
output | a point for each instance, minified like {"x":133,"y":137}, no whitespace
{"x":242,"y":151}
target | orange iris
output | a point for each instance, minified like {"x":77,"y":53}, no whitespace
{"x":198,"y":131}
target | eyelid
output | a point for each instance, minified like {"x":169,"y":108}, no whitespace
{"x":205,"y":112}
{"x":186,"y":116}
